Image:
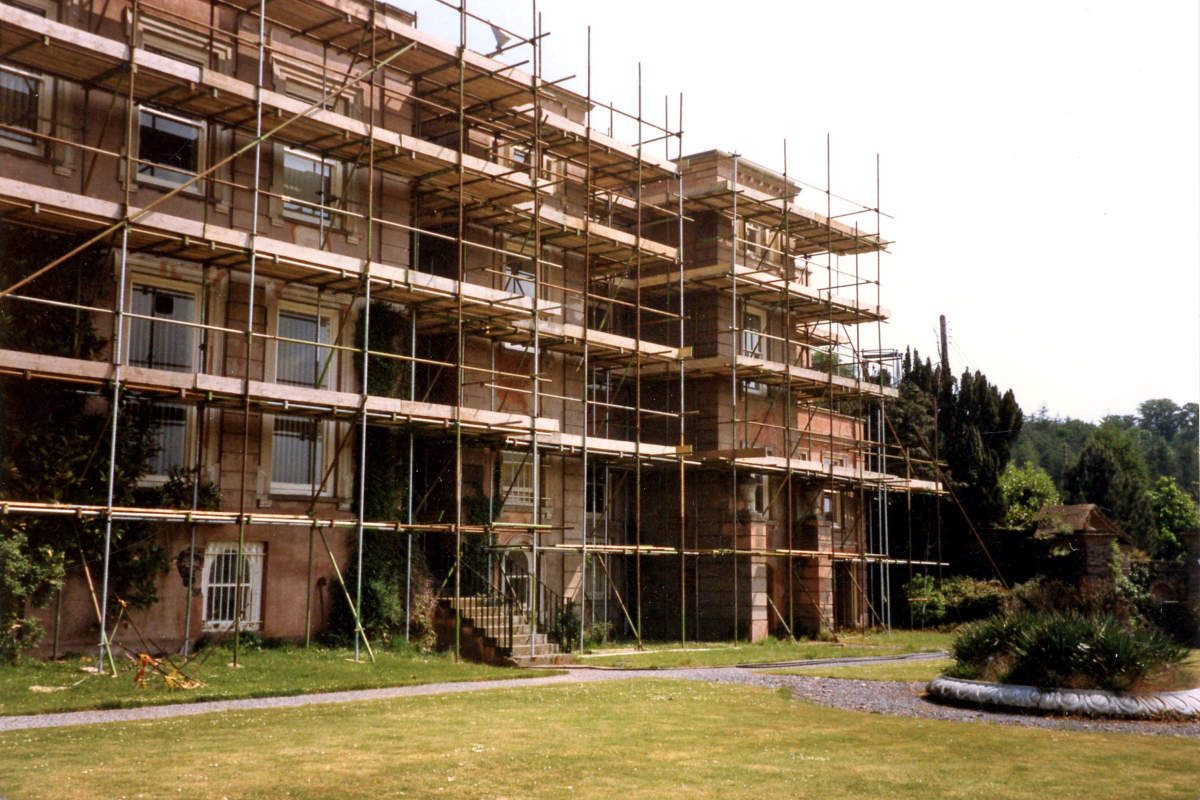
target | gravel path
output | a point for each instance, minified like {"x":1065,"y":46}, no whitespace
{"x":877,"y":697}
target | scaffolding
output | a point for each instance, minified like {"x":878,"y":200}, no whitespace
{"x":549,"y":278}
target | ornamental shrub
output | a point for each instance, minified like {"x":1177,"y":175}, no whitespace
{"x":958,"y":599}
{"x":1064,"y":649}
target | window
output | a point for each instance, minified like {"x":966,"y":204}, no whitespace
{"x":190,"y":46}
{"x":298,"y":363}
{"x":762,"y":496}
{"x":516,"y":480}
{"x":24,"y":109}
{"x":309,"y":82}
{"x":170,"y":421}
{"x":170,"y":149}
{"x":553,"y":172}
{"x":518,"y":156}
{"x":752,"y":342}
{"x":162,"y":345}
{"x":297,"y":462}
{"x":221,"y":583}
{"x":831,"y":507}
{"x":597,"y":491}
{"x":518,"y":280}
{"x":309,"y":186}
{"x":298,"y":444}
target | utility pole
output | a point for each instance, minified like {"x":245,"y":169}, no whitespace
{"x":945,"y":352}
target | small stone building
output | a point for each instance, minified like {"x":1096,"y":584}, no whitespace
{"x":1085,"y":537}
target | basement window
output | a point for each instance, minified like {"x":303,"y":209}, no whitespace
{"x":24,"y":110}
{"x":222,"y":582}
{"x":170,"y":149}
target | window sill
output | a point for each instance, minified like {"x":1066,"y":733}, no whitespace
{"x":196,"y":190}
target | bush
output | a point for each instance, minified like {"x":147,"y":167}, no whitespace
{"x":566,"y":626}
{"x":1063,"y":649}
{"x":958,"y":599}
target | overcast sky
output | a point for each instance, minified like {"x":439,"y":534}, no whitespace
{"x":1041,"y":161}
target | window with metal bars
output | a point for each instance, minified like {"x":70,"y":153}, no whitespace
{"x":222,"y":583}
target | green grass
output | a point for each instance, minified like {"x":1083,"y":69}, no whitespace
{"x":706,"y":654}
{"x":262,"y":673}
{"x":923,"y":670}
{"x":635,"y":739}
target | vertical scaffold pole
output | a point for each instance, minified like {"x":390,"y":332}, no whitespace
{"x":587,"y":282}
{"x":535,"y":175}
{"x":789,"y":405}
{"x":459,"y":343}
{"x":105,"y":653}
{"x":735,"y":331}
{"x":679,"y":262}
{"x":637,"y":365}
{"x":366,"y":344}
{"x":249,"y":334}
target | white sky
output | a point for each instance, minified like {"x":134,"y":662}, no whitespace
{"x":1041,"y":160}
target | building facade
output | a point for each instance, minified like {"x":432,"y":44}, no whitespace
{"x":647,"y":385}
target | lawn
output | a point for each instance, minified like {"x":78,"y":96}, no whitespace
{"x":704,"y":654}
{"x":628,"y":739}
{"x":41,"y":686}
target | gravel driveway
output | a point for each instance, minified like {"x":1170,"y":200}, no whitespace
{"x":877,"y":697}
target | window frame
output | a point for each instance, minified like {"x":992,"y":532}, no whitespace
{"x":302,"y":80}
{"x":325,"y":215}
{"x":179,"y":43}
{"x":197,"y":188}
{"x":254,"y":556}
{"x":520,"y":498}
{"x":138,"y":275}
{"x":38,"y":146}
{"x":324,"y":433}
{"x":137,"y":278}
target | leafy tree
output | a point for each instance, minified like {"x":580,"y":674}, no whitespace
{"x":54,"y":445}
{"x":1175,"y":513}
{"x":1051,"y":442}
{"x":1111,"y":473}
{"x":1026,"y":490}
{"x":1166,"y":435}
{"x":976,"y":426}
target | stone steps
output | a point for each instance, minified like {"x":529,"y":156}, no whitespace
{"x":528,"y":648}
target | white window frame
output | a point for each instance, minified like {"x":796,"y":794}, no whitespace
{"x":135,"y":277}
{"x":519,"y":465}
{"x":200,"y":125}
{"x":326,"y":215}
{"x":759,"y":336}
{"x":324,"y":428}
{"x":217,"y":554}
{"x":328,"y":316}
{"x":181,"y":287}
{"x":45,"y":105}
